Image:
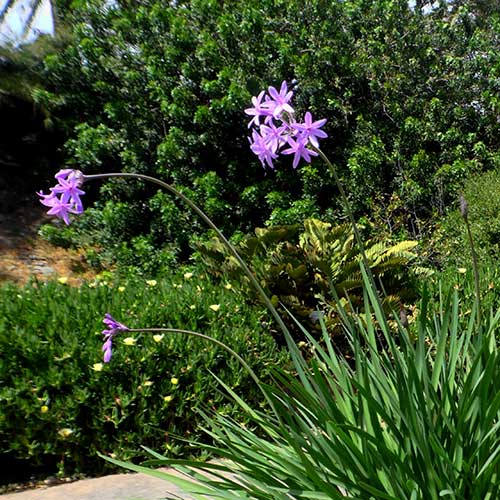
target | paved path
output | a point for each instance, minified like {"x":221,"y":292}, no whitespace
{"x":113,"y":487}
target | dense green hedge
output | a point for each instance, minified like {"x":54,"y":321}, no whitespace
{"x":411,"y":100}
{"x":59,"y":402}
{"x":449,"y":244}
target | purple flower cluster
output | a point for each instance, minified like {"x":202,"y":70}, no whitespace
{"x":274,"y":127}
{"x":64,"y":197}
{"x":114,"y":327}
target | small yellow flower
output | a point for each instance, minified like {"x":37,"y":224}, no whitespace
{"x":129,"y":341}
{"x":151,"y":282}
{"x":188,"y":276}
{"x":174,"y":381}
{"x":158,"y":338}
{"x":97,"y":367}
{"x":167,"y":399}
{"x":121,"y":289}
{"x":92,"y":284}
{"x":63,"y":280}
{"x":19,"y":296}
{"x":148,"y":383}
{"x":462,"y":270}
{"x":301,"y":344}
{"x":175,"y":285}
{"x":228,"y":286}
{"x":44,"y":409}
{"x":192,"y":306}
{"x":215,"y":307}
{"x":65,"y":432}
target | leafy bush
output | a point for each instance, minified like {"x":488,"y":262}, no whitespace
{"x":307,"y":266}
{"x":71,"y":404}
{"x":411,"y":102}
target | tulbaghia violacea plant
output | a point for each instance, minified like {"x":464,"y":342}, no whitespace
{"x":275,"y":129}
{"x":417,"y":417}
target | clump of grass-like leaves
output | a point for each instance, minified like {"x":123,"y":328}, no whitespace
{"x":412,"y":413}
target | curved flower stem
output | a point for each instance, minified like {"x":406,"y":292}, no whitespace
{"x":220,"y":344}
{"x":221,"y":236}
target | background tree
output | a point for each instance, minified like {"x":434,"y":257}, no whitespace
{"x":158,"y":87}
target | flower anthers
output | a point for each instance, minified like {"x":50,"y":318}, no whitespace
{"x":274,"y":127}
{"x":64,"y":197}
{"x":114,"y":327}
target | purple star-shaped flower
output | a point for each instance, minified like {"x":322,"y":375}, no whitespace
{"x":47,"y":199}
{"x":57,"y":206}
{"x":309,"y":130}
{"x":114,"y":327}
{"x":262,"y":149}
{"x":70,"y":193}
{"x":259,"y":109}
{"x":279,"y":100}
{"x":68,"y":189}
{"x":273,"y":136}
{"x":299,"y":150}
{"x":64,"y":173}
{"x":61,"y":210}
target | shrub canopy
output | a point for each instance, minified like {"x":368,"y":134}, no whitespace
{"x":156,"y":87}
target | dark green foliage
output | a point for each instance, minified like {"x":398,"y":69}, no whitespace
{"x":411,"y":101}
{"x":28,"y":137}
{"x":308,"y":266}
{"x":50,"y":339}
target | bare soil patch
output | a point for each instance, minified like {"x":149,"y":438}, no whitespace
{"x":24,"y":255}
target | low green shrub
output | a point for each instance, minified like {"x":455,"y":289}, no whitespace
{"x":71,"y":404}
{"x":103,"y":248}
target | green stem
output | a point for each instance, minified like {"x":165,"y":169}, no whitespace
{"x":350,"y":214}
{"x":220,"y":344}
{"x":475,"y":266}
{"x":224,"y":240}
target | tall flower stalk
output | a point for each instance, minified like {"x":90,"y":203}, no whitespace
{"x":276,"y":130}
{"x":62,"y":209}
{"x":464,"y":211}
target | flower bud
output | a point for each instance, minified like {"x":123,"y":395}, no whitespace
{"x":464,"y":207}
